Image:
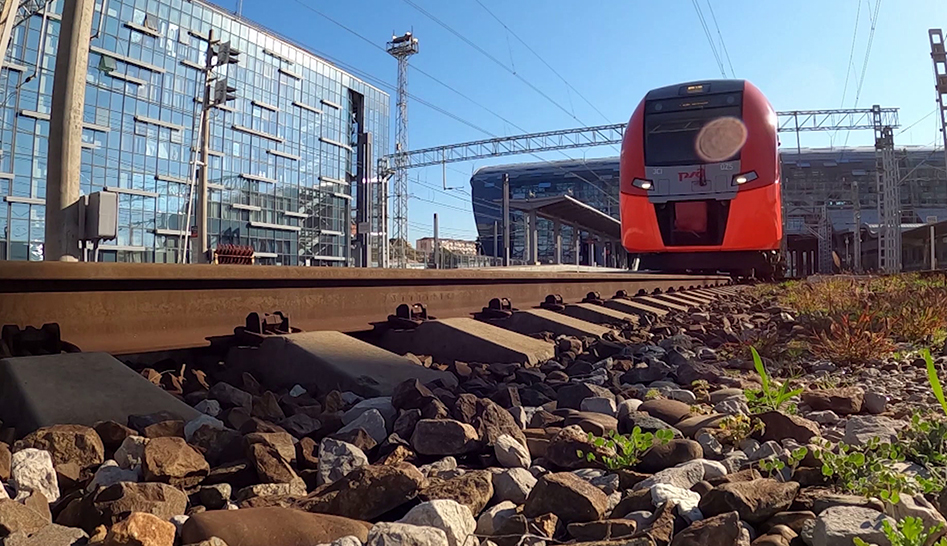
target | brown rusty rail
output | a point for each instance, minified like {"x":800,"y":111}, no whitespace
{"x":131,"y":308}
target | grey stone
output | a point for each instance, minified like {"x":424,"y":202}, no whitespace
{"x":32,"y":470}
{"x":230,"y":396}
{"x":201,"y":420}
{"x":725,"y":394}
{"x":734,"y":461}
{"x":682,"y":395}
{"x":600,"y":404}
{"x":208,"y":407}
{"x":131,"y":453}
{"x":628,"y":406}
{"x":346,"y":541}
{"x":510,"y":453}
{"x":684,"y":476}
{"x":685,"y":500}
{"x":520,"y":415}
{"x":372,"y":422}
{"x":860,"y":429}
{"x":767,"y":450}
{"x":403,"y":534}
{"x":337,"y":459}
{"x":300,"y":425}
{"x":825,"y":417}
{"x":297,"y":391}
{"x":109,"y":474}
{"x":875,"y":403}
{"x":839,"y":525}
{"x":447,"y":515}
{"x":494,"y":517}
{"x":513,"y":485}
{"x":381,"y":403}
{"x":732,"y":406}
{"x":710,"y":445}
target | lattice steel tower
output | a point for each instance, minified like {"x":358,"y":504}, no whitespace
{"x":889,"y":197}
{"x":401,"y":47}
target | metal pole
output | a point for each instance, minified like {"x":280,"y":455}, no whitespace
{"x":533,"y":238}
{"x":65,"y":133}
{"x":363,"y":214}
{"x":578,"y":245}
{"x":557,"y":233}
{"x":506,"y":220}
{"x":933,"y":253}
{"x":203,"y":248}
{"x":798,"y":143}
{"x":496,"y":239}
{"x":858,"y":227}
{"x":437,"y":246}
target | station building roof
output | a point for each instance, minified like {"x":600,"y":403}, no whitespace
{"x":571,"y":211}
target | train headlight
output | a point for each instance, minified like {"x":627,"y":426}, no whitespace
{"x":646,"y":185}
{"x":740,"y":179}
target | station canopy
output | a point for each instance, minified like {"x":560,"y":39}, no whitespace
{"x":571,"y":211}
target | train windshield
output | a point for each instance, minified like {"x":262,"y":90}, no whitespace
{"x":671,"y":137}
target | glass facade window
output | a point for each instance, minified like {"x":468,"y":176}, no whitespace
{"x":282,"y":165}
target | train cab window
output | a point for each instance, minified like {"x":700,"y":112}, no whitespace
{"x":671,"y":137}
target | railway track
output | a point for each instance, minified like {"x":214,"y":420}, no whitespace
{"x":138,"y":308}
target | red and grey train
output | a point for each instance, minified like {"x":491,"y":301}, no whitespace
{"x":700,"y":180}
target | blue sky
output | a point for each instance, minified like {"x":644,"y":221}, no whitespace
{"x":612,"y":52}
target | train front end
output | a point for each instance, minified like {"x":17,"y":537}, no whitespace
{"x":700,"y":180}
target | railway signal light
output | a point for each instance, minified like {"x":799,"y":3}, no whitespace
{"x":224,"y":92}
{"x":226,"y":54}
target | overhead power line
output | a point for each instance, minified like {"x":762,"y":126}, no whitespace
{"x":851,"y":55}
{"x":541,"y":59}
{"x":422,"y":101}
{"x":723,"y":44}
{"x":871,"y":38}
{"x":710,"y":38}
{"x":492,"y":58}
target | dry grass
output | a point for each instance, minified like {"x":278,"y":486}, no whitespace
{"x":853,"y":320}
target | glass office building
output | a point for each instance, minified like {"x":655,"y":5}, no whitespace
{"x":283,"y":155}
{"x":810,"y":177}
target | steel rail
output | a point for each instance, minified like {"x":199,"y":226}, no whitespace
{"x":134,"y":308}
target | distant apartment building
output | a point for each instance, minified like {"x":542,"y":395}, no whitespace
{"x":455,"y":246}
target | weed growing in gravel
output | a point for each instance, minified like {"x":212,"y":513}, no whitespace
{"x":853,"y":339}
{"x":852,"y":321}
{"x":775,"y":466}
{"x":909,"y":532}
{"x":867,"y":470}
{"x":924,"y":441}
{"x":933,"y":379}
{"x":701,"y":389}
{"x":772,"y":397}
{"x":652,"y":394}
{"x":735,"y":428}
{"x":628,"y":448}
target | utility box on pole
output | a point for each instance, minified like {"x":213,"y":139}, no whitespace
{"x":101,"y":216}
